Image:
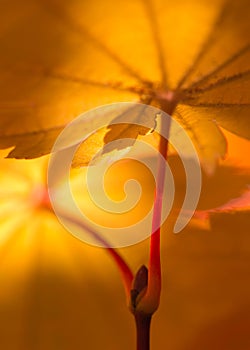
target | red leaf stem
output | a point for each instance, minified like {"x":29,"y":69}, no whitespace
{"x":125,"y":271}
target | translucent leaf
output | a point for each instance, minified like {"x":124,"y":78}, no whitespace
{"x":59,"y":59}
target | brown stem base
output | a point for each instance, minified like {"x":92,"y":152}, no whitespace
{"x":143,"y":331}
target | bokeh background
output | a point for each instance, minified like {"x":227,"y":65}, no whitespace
{"x":59,"y":293}
{"x":60,"y":58}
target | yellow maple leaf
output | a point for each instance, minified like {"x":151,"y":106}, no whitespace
{"x":59,"y":59}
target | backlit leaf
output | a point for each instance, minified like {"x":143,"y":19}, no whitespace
{"x":59,"y":59}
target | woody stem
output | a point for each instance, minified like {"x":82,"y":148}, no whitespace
{"x":143,"y":331}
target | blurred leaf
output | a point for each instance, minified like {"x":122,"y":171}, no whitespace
{"x":241,"y":203}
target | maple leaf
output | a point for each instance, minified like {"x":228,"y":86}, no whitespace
{"x":59,"y":59}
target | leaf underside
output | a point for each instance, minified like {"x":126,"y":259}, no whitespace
{"x":59,"y":59}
